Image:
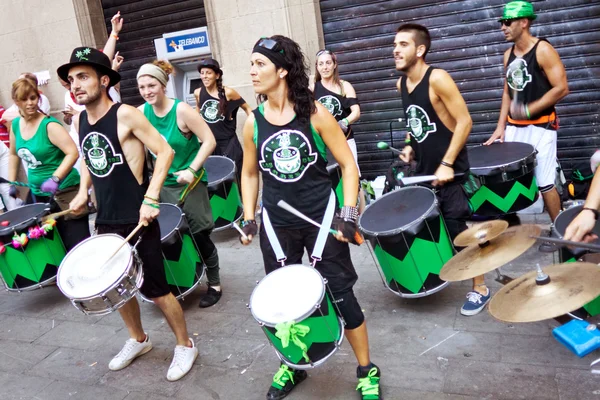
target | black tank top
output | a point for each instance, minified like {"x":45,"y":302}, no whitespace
{"x":525,"y":77}
{"x":118,"y":193}
{"x":222,"y":126}
{"x":292,"y":160}
{"x":338,"y":105}
{"x":430,"y":138}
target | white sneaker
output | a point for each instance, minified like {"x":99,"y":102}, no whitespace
{"x":183,"y":360}
{"x":132,"y":350}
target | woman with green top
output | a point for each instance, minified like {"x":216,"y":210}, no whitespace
{"x":49,"y":154}
{"x":184,"y":129}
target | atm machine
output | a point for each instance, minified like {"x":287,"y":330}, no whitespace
{"x":184,"y":50}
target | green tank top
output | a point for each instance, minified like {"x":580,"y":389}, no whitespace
{"x":185,"y":148}
{"x":41,"y":156}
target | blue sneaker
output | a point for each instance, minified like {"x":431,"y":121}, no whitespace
{"x":475,"y":303}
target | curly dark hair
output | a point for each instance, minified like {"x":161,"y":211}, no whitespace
{"x":299,"y":93}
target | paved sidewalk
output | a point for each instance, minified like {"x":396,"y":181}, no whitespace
{"x":425,"y":348}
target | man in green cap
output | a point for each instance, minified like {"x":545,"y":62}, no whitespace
{"x":535,"y":81}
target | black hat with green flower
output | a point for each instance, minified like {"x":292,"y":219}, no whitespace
{"x":92,"y":57}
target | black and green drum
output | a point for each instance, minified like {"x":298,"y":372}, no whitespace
{"x":294,"y":308}
{"x":335,"y":174}
{"x":223,"y":191}
{"x":572,"y":255}
{"x":506,"y":172}
{"x":410,"y":240}
{"x":35,"y":263}
{"x":183,"y":265}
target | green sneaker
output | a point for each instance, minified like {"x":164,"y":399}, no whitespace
{"x":368,"y":383}
{"x":284,"y":381}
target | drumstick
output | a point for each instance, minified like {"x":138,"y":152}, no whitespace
{"x":16,"y":183}
{"x":56,"y":215}
{"x":412,"y":180}
{"x":283,"y":204}
{"x":126,"y":240}
{"x":240,"y":231}
{"x":385,"y":146}
{"x":189,"y":187}
{"x":565,"y":243}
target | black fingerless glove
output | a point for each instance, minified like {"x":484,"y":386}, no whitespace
{"x":345,"y":222}
{"x":249,"y":228}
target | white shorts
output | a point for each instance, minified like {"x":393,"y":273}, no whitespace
{"x":352,"y":145}
{"x":544,"y":141}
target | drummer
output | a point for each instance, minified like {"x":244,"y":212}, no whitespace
{"x":219,"y":105}
{"x":535,"y":82}
{"x":184,"y":129}
{"x":50,"y":154}
{"x":439,"y":124}
{"x":580,"y":229}
{"x":113,"y":138}
{"x":289,"y":117}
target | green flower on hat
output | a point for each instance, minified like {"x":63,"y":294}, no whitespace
{"x":518,"y":9}
{"x":81,"y":55}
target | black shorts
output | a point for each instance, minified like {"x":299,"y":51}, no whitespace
{"x":455,"y":208}
{"x":335,"y":266}
{"x":150,"y":253}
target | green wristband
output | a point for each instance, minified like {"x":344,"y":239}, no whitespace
{"x":194,"y":172}
{"x":527,"y":112}
{"x":153,"y":205}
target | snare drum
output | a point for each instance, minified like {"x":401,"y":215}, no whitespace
{"x":35,"y":264}
{"x":97,"y":287}
{"x":295,"y":311}
{"x":184,"y":267}
{"x":410,"y":240}
{"x":223,"y":191}
{"x":567,"y":255}
{"x":506,"y":171}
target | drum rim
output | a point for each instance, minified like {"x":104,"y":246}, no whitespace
{"x":532,"y":156}
{"x":405,"y":227}
{"x":297,"y":319}
{"x":554,"y":228}
{"x":178,"y":226}
{"x":9,"y":229}
{"x":225,"y":178}
{"x":60,"y":268}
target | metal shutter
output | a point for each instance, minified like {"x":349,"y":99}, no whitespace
{"x":145,"y":21}
{"x":468,"y":43}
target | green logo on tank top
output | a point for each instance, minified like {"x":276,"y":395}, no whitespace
{"x":286,"y":155}
{"x":25,"y":155}
{"x":418,"y":123}
{"x":99,"y":154}
{"x":210,"y":112}
{"x":332,"y":104}
{"x":517,"y":76}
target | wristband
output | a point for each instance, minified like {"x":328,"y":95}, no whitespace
{"x":596,"y":212}
{"x":115,"y":36}
{"x":346,"y":121}
{"x":153,"y":205}
{"x":349,"y":213}
{"x":445,"y":164}
{"x":527,"y":111}
{"x":151,"y":198}
{"x":407,"y":140}
{"x":193,"y":171}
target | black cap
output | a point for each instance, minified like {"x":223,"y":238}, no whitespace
{"x":93,"y":57}
{"x":210,"y":63}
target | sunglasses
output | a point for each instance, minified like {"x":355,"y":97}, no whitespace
{"x":507,"y":22}
{"x":324,"y":51}
{"x":270,"y":44}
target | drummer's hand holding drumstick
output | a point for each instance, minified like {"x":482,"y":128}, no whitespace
{"x":184,"y":177}
{"x":345,"y":225}
{"x":444,"y":174}
{"x":580,"y":229}
{"x":149,"y":210}
{"x":408,"y":154}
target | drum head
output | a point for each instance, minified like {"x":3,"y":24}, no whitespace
{"x":397,"y":210}
{"x":566,"y":217}
{"x":83,"y":272}
{"x":19,"y":215}
{"x":169,"y":218}
{"x":218,"y":169}
{"x":498,"y":154}
{"x":287,"y":294}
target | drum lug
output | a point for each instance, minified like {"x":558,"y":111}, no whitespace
{"x":325,"y":281}
{"x":247,"y":306}
{"x":107,"y":301}
{"x":504,"y":176}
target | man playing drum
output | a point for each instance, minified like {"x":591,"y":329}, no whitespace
{"x":439,"y":124}
{"x":535,"y":81}
{"x":113,"y":138}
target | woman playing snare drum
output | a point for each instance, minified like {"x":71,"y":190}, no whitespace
{"x":49,"y":153}
{"x":286,"y":139}
{"x":183,"y":129}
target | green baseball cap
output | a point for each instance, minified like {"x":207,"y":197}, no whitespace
{"x":518,"y":9}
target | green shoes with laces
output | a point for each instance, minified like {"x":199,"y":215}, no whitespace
{"x":284,"y":381}
{"x":368,"y":382}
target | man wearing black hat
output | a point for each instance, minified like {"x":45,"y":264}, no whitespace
{"x":535,"y":81}
{"x":113,"y":138}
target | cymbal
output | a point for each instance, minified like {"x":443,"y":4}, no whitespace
{"x":571,"y":286}
{"x":475,"y":260}
{"x":480,"y":233}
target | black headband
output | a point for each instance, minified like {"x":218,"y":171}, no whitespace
{"x":276,"y":57}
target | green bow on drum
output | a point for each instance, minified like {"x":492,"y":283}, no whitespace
{"x":291,"y":331}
